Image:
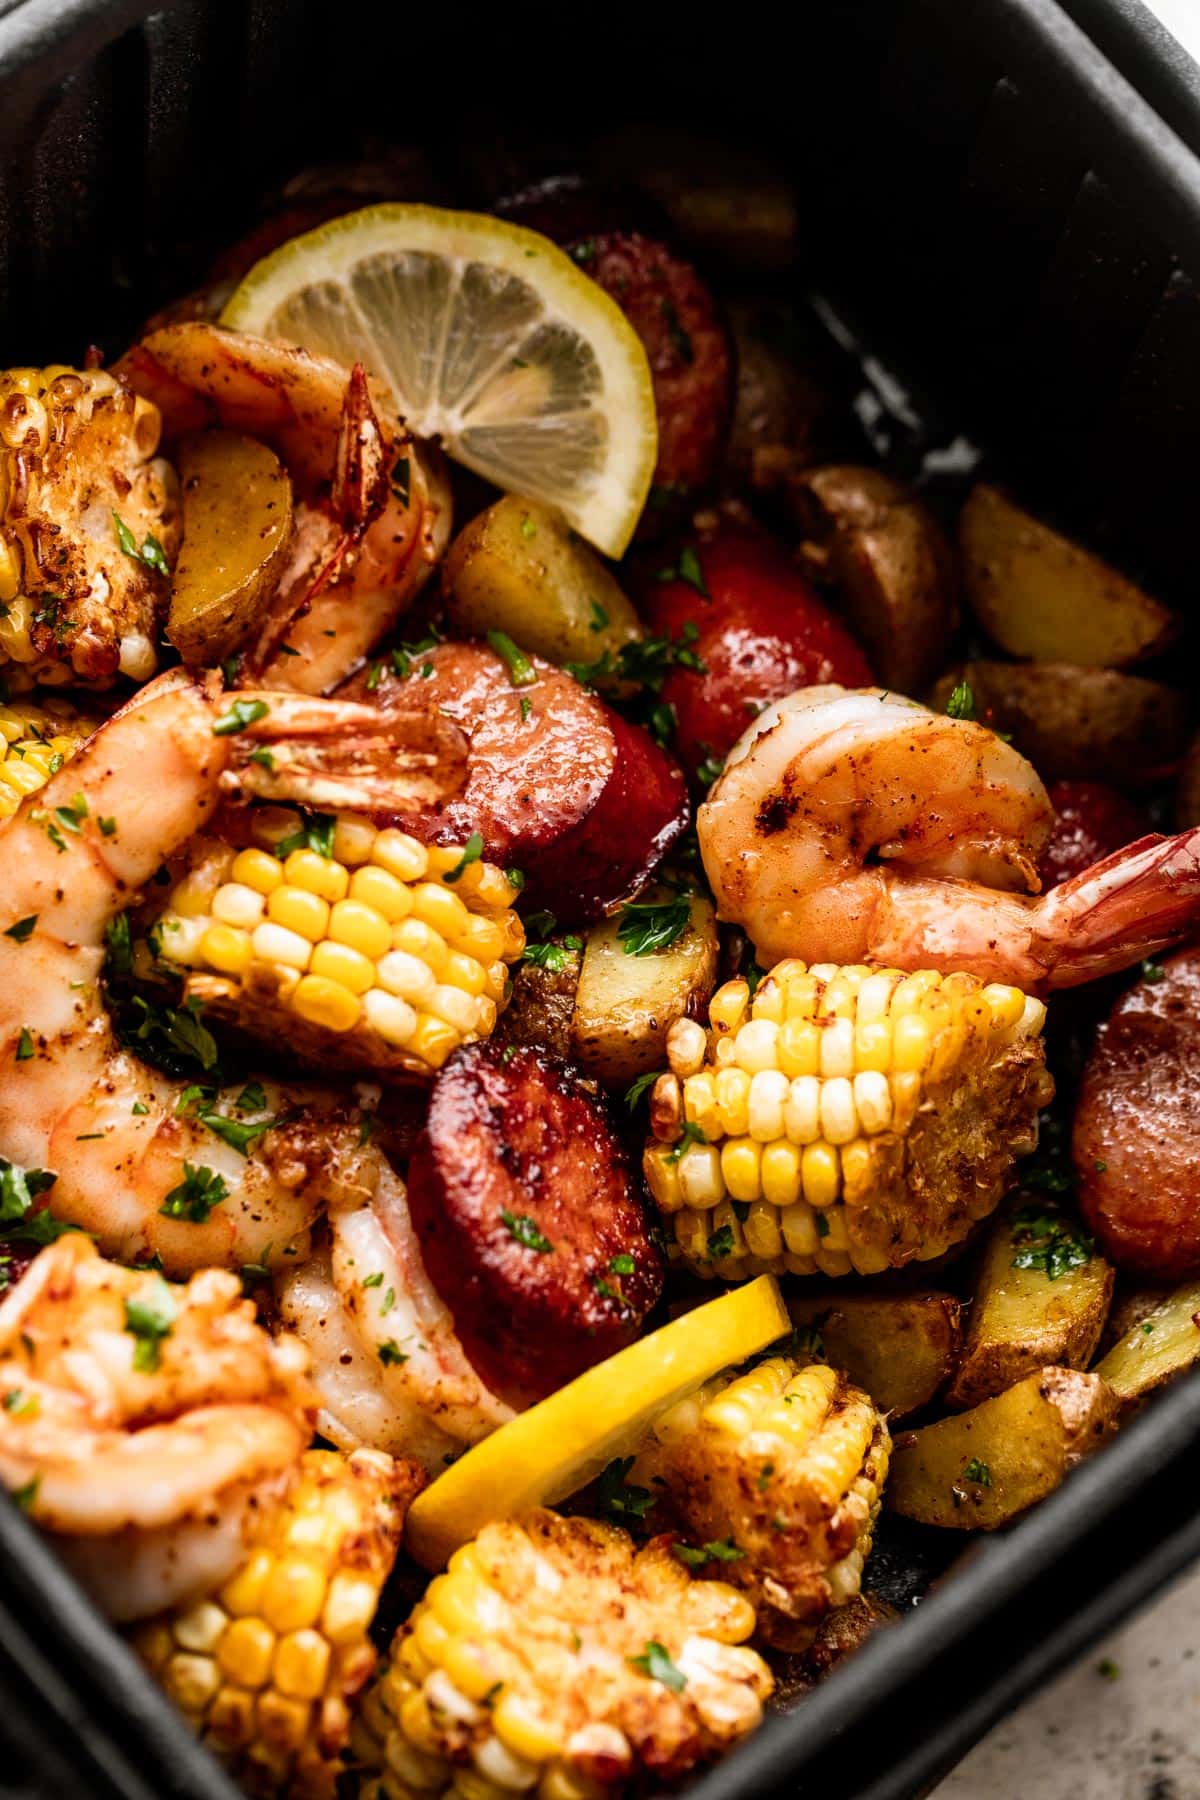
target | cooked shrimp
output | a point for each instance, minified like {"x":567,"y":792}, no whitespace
{"x":857,"y":826}
{"x":89,"y":523}
{"x":387,"y":1362}
{"x":136,"y":1165}
{"x":145,"y":1423}
{"x":372,"y":512}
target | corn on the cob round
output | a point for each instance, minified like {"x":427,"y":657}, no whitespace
{"x":35,"y":741}
{"x":775,"y":1477}
{"x":555,"y":1657}
{"x":88,"y":526}
{"x":267,"y":1668}
{"x":383,"y":954}
{"x":843,"y":1118}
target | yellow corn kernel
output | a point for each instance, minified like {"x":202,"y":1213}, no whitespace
{"x":839,"y":1116}
{"x":438,"y":907}
{"x":700,"y":1183}
{"x":200,"y":1626}
{"x":837,"y":1049}
{"x":911,"y":1043}
{"x":349,"y":1607}
{"x":293,"y":1595}
{"x":731,"y":1087}
{"x":401,"y":855}
{"x":276,"y":944}
{"x":802,"y":1110}
{"x":471,"y":1667}
{"x":393,"y":1018}
{"x":316,"y":874}
{"x":906,"y":1097}
{"x":190,"y":1681}
{"x":255,"y":869}
{"x":820,"y":1173}
{"x":302,"y":1664}
{"x":780,"y":1173}
{"x":662,"y":1178}
{"x":769,"y":1000}
{"x":417,"y":937}
{"x":799,"y":1047}
{"x":691,"y":1234}
{"x":799,"y":1227}
{"x":247,"y":1651}
{"x":464,"y":972}
{"x":1006,"y":1005}
{"x":755,"y":1046}
{"x":873,"y":1102}
{"x":10,"y":572}
{"x":229,"y":951}
{"x":243,"y":1592}
{"x":234,"y":903}
{"x":727,"y":1008}
{"x":525,"y":1732}
{"x":361,"y":927}
{"x":382,"y":892}
{"x":764,"y":1239}
{"x":283,"y":1722}
{"x":873,"y":1045}
{"x":298,"y":910}
{"x":326,"y":1003}
{"x":410,"y":976}
{"x":454,"y":1006}
{"x":700,"y":1103}
{"x":339,"y":963}
{"x":481,"y":938}
{"x":353,"y":840}
{"x":433,"y":1040}
{"x":230,"y":1719}
{"x":741,"y":1168}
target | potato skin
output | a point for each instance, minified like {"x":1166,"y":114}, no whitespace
{"x":900,"y":1347}
{"x":690,"y":352}
{"x":1091,"y":820}
{"x":1078,"y":724}
{"x":889,"y":562}
{"x":237,"y":524}
{"x":625,"y":1005}
{"x":1136,"y":1139}
{"x":764,"y":631}
{"x":510,"y":1131}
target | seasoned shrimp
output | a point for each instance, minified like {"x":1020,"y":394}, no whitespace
{"x":854,"y":825}
{"x":372,"y":513}
{"x":89,"y":523}
{"x":145,"y":1424}
{"x":240,"y":1178}
{"x":387,"y":1361}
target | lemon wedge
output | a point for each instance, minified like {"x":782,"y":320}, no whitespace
{"x":488,"y":337}
{"x":562,"y":1443}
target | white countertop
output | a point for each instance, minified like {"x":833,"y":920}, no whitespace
{"x":1122,"y":1725}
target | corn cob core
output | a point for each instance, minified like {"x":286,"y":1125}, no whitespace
{"x":842,"y":1118}
{"x":384,"y":954}
{"x":780,"y":1472}
{"x":266,"y":1669}
{"x":533,"y":1665}
{"x":35,"y":741}
{"x":76,"y":446}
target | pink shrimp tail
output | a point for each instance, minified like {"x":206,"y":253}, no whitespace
{"x":1140,"y":900}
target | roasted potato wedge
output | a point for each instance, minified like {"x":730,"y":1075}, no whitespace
{"x":890,"y":563}
{"x":1157,"y":1347}
{"x":237,"y":526}
{"x":1041,"y":595}
{"x":900,"y":1347}
{"x":519,"y":569}
{"x":979,"y":1469}
{"x":1077,"y":724}
{"x":542,"y":1001}
{"x":1034,"y":1305}
{"x":625,"y":1005}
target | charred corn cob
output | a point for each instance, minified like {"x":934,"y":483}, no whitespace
{"x":842,"y":1118}
{"x":776,"y":1478}
{"x":372,"y":950}
{"x":35,"y":741}
{"x":88,"y":527}
{"x":553,"y":1656}
{"x":267,"y":1668}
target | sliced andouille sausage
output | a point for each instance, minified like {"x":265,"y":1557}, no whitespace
{"x":764,"y":631}
{"x":558,"y":785}
{"x":529,"y":1220}
{"x":1136,"y":1141}
{"x":1091,"y":821}
{"x":690,"y":353}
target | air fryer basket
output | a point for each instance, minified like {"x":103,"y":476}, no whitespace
{"x":990,"y":209}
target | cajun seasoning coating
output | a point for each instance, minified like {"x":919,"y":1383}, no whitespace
{"x":1136,"y":1142}
{"x":528,"y":1220}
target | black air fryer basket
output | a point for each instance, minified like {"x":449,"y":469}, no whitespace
{"x":1006,"y":222}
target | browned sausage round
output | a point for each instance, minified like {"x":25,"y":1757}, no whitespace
{"x":529,"y":1222}
{"x":1136,"y":1141}
{"x":690,"y":354}
{"x":558,"y":785}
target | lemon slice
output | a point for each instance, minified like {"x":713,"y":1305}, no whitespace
{"x":488,"y":337}
{"x":561,"y":1444}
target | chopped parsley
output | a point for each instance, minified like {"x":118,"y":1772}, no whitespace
{"x":472,"y":851}
{"x":23,"y":929}
{"x":822,"y":1224}
{"x":710,"y":770}
{"x":524,"y":1229}
{"x":119,"y":939}
{"x":636,"y":1089}
{"x":25,"y":1045}
{"x":150,"y":1321}
{"x":1152,"y":971}
{"x":151,"y":553}
{"x":691,"y":572}
{"x":623,"y":1264}
{"x":526,"y":708}
{"x":19,"y":1188}
{"x":1044,"y":1239}
{"x":599,"y":617}
{"x":197,"y":1194}
{"x":691,"y":1133}
{"x":978,"y":1472}
{"x":621,"y":1499}
{"x":650,"y":925}
{"x":375,"y":1280}
{"x":235,"y":1132}
{"x":528,"y":526}
{"x":25,"y":1496}
{"x":177,"y":1032}
{"x":401,"y":478}
{"x":389,"y":1300}
{"x":720,"y":1243}
{"x":241,"y":714}
{"x":543,"y":954}
{"x":314,"y":832}
{"x":961,"y":704}
{"x":764,"y":1476}
{"x":521,"y":671}
{"x":645,"y":661}
{"x":655,"y":1662}
{"x":20,"y":1404}
{"x":720,"y":1550}
{"x":390,"y":1353}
